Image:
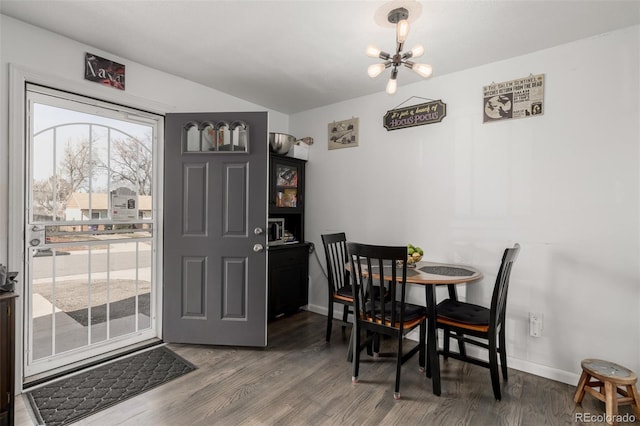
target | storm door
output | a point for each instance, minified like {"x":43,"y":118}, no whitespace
{"x":90,"y":229}
{"x":215,"y":201}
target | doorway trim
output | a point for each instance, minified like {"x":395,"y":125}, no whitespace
{"x":19,"y":76}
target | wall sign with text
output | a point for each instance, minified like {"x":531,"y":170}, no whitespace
{"x":124,"y":207}
{"x":519,"y":98}
{"x":416,"y":115}
{"x":103,"y":71}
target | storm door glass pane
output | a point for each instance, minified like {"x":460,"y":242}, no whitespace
{"x":72,"y":282}
{"x":144,"y":285}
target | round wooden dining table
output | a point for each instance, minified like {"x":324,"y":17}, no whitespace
{"x":429,"y":275}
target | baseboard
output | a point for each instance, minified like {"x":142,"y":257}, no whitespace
{"x":530,"y":367}
{"x":543,"y":371}
{"x":322,"y":310}
{"x":515,"y":363}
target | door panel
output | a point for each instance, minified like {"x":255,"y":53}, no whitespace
{"x":234,"y":289}
{"x":193,"y":287}
{"x":235,"y":199}
{"x":195,"y":199}
{"x":215,"y":196}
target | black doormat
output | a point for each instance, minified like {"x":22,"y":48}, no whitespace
{"x":119,"y":309}
{"x":73,"y":398}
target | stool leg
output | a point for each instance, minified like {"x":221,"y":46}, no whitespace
{"x":635,"y":404}
{"x":584,"y":379}
{"x":611,"y":401}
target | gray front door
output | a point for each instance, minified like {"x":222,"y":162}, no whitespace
{"x":215,"y":198}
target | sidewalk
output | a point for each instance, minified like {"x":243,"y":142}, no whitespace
{"x":144,"y":274}
{"x":114,"y":248}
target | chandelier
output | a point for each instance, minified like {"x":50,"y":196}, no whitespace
{"x":399,"y":17}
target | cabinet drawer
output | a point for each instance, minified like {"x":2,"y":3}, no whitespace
{"x":289,"y":256}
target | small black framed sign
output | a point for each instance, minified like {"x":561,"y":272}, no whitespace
{"x":416,"y":115}
{"x":103,"y":71}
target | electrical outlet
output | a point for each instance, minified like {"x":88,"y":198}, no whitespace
{"x":536,"y":324}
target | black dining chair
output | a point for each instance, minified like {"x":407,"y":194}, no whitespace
{"x":340,"y":290}
{"x":387,"y":316}
{"x":487,"y":324}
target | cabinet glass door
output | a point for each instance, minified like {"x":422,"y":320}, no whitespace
{"x":286,"y":186}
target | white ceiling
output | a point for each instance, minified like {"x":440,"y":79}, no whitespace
{"x":295,"y":55}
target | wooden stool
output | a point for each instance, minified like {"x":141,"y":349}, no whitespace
{"x":608,"y":377}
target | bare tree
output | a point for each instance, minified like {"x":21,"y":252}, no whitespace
{"x":77,"y":164}
{"x":73,"y":175}
{"x":131,"y":163}
{"x":43,"y":197}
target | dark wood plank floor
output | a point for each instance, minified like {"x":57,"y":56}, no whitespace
{"x":301,"y":380}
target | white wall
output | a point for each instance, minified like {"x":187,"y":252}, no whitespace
{"x":564,"y":185}
{"x":62,"y":61}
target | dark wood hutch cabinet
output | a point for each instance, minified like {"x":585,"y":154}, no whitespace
{"x":288,"y":261}
{"x":7,"y":361}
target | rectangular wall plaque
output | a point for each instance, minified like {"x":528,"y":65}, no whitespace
{"x":519,"y":98}
{"x":416,"y":115}
{"x":343,"y":134}
{"x":103,"y":71}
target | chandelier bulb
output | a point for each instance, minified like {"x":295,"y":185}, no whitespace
{"x":417,"y":51}
{"x":424,"y":70}
{"x":402,"y":30}
{"x":376,"y":69}
{"x":373,"y":51}
{"x":392,"y":86}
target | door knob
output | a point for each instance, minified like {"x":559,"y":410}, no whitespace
{"x":258,"y":248}
{"x":258,"y":231}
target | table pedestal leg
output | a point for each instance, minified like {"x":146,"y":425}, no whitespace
{"x":432,"y":339}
